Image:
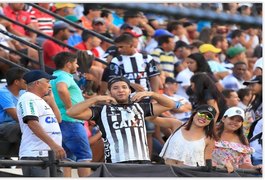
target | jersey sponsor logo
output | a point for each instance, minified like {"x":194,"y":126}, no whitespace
{"x":50,"y":120}
{"x":127,"y":124}
{"x":21,"y":108}
{"x":138,"y":75}
{"x":31,"y":106}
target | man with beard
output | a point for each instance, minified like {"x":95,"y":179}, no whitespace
{"x":122,"y":120}
{"x":66,"y":94}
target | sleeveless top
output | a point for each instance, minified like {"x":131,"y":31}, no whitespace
{"x":178,"y":148}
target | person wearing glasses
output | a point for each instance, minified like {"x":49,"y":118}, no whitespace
{"x":190,"y":143}
{"x":121,"y":120}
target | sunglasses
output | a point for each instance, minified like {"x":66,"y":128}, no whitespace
{"x":205,"y":116}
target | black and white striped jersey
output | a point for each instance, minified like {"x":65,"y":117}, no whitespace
{"x":123,"y":130}
{"x":138,"y":68}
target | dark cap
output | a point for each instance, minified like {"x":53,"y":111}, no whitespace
{"x":62,"y":25}
{"x":171,"y":80}
{"x":35,"y":75}
{"x":257,"y":79}
{"x":117,"y":79}
{"x":181,"y":44}
{"x":205,"y":108}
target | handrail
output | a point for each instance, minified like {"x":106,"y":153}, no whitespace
{"x":198,"y":14}
{"x":23,"y":55}
{"x":6,"y":61}
{"x":34,"y":46}
{"x":71,"y":23}
{"x":48,"y":37}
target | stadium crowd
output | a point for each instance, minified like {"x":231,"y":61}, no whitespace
{"x":168,"y":90}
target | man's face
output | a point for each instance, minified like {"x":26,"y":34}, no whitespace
{"x":233,"y":100}
{"x":256,"y":88}
{"x":120,"y":91}
{"x":125,"y":49}
{"x":73,"y":66}
{"x":240,"y":70}
{"x":17,"y":6}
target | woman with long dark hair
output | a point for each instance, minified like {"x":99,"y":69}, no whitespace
{"x":204,"y":91}
{"x":232,"y":148}
{"x":190,"y":143}
{"x":197,"y":63}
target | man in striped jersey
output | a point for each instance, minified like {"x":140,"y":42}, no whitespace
{"x":140,"y":69}
{"x":121,"y":120}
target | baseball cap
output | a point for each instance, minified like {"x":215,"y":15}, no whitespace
{"x":133,"y":33}
{"x":257,"y":79}
{"x":35,"y":75}
{"x":233,"y":51}
{"x":245,"y":4}
{"x":72,"y":18}
{"x":98,"y":20}
{"x":126,"y":26}
{"x":64,"y":5}
{"x":235,"y":111}
{"x":117,"y":79}
{"x":162,"y":32}
{"x":171,"y":80}
{"x":62,"y":25}
{"x":209,"y":110}
{"x":209,"y":47}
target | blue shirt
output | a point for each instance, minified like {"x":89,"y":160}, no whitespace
{"x":8,"y":100}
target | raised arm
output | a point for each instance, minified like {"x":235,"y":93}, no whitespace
{"x":163,"y":103}
{"x":82,"y":110}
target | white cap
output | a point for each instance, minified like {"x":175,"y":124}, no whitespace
{"x":235,"y":111}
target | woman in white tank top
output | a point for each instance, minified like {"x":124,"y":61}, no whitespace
{"x":191,"y":143}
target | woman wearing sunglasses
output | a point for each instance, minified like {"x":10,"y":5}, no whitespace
{"x":191,"y":143}
{"x":232,"y":149}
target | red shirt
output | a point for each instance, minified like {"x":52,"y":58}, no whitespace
{"x":50,"y":49}
{"x":20,"y":16}
{"x":82,"y":46}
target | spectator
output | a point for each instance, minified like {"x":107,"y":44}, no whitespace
{"x":245,"y":96}
{"x":179,"y":32}
{"x":183,"y":112}
{"x":66,"y":94}
{"x":43,"y":20}
{"x":204,"y":91}
{"x":75,"y":37}
{"x":232,"y":150}
{"x":39,"y":120}
{"x":235,"y":54}
{"x":111,"y":28}
{"x":91,"y":11}
{"x":192,"y":142}
{"x":257,"y":69}
{"x":128,"y":112}
{"x":166,"y":59}
{"x":64,"y":9}
{"x":210,"y":54}
{"x":182,"y":50}
{"x":231,"y":97}
{"x":220,"y":42}
{"x":99,"y":25}
{"x":197,"y":63}
{"x":235,"y":80}
{"x":142,"y":78}
{"x":61,"y":32}
{"x":9,"y":126}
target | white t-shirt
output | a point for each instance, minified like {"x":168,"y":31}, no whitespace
{"x":30,"y":104}
{"x":184,"y":76}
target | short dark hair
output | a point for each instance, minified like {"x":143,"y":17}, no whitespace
{"x":239,"y":63}
{"x":13,"y":74}
{"x":216,"y":39}
{"x":227,"y":92}
{"x":243,"y":92}
{"x":124,"y":38}
{"x":163,"y":39}
{"x":86,"y":35}
{"x":62,"y":58}
{"x":105,"y":13}
{"x":236,"y":33}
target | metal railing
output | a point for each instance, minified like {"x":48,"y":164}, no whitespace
{"x":34,"y":46}
{"x":52,"y":163}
